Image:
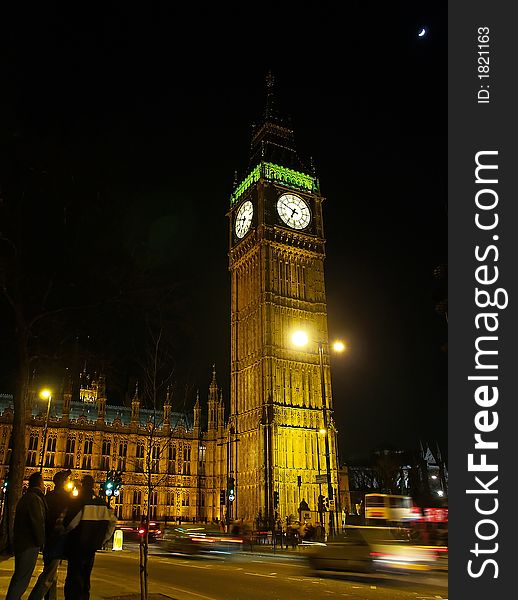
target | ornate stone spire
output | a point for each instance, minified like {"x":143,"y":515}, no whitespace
{"x":197,"y":410}
{"x":135,"y":406}
{"x":101,"y":398}
{"x":270,"y":111}
{"x":213,"y":400}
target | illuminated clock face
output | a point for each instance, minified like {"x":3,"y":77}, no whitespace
{"x":244,"y":218}
{"x":293,"y":211}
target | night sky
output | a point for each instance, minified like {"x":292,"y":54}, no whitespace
{"x":122,"y":131}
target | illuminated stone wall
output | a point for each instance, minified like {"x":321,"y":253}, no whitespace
{"x":187,"y":465}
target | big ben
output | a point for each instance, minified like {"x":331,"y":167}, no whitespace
{"x":282,"y":440}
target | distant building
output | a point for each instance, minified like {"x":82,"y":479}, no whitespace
{"x":187,"y":465}
{"x":421,"y":474}
{"x":345,"y":506}
{"x":435,"y":474}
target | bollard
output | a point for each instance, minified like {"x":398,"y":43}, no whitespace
{"x":117,"y":540}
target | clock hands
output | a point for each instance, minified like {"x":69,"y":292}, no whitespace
{"x":293,"y":210}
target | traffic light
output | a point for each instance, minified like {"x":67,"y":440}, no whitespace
{"x":117,"y":482}
{"x":113,"y":483}
{"x":231,"y":490}
{"x":108,"y":484}
{"x":275,"y":499}
{"x":327,"y":503}
{"x":321,"y":504}
{"x":222,"y":497}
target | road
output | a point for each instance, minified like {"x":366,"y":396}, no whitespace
{"x":249,"y":577}
{"x":241,"y":577}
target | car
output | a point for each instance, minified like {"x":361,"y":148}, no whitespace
{"x":199,"y":539}
{"x":370,"y":549}
{"x":134,"y":532}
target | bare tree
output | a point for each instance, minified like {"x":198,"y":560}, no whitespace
{"x":28,"y":298}
{"x":158,"y":375}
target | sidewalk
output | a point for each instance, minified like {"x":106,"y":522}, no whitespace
{"x":6,"y":571}
{"x":7,"y":568}
{"x":299,"y":552}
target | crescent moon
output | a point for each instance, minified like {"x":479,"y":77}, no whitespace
{"x":422,"y":32}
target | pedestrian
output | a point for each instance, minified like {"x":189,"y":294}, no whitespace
{"x":29,"y":535}
{"x":295,"y":538}
{"x":58,"y":501}
{"x":89,"y":523}
{"x":310,"y":533}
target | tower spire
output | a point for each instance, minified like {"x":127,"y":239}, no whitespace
{"x":272,"y":138}
{"x":197,"y":411}
{"x":135,"y":406}
{"x":269,"y":109}
{"x":214,"y":383}
{"x":213,"y":399}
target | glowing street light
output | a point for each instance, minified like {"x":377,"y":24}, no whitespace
{"x":45,"y":394}
{"x":300,"y":338}
{"x":338,"y":346}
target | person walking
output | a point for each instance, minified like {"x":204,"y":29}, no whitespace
{"x":89,"y":523}
{"x":58,"y":501}
{"x":29,"y":535}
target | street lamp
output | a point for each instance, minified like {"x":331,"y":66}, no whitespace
{"x":45,"y":394}
{"x":300,"y":338}
{"x":320,"y":499}
{"x":231,"y":496}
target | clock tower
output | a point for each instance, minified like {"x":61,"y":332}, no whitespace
{"x":279,"y":392}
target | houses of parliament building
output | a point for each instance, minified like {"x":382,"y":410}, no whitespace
{"x":165,"y":453}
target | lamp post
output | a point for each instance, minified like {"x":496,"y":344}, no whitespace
{"x":326,"y":438}
{"x":300,"y":338}
{"x":45,"y":395}
{"x":230,"y":494}
{"x":320,"y":507}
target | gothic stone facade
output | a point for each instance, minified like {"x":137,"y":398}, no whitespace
{"x":187,"y":466}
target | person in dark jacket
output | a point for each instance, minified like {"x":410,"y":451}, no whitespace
{"x":90,"y":524}
{"x":29,"y":535}
{"x":53,"y":551}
